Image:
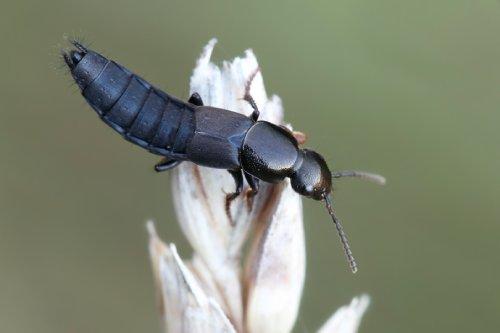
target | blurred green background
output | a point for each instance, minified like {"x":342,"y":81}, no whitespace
{"x":406,"y":88}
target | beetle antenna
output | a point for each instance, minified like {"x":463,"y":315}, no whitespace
{"x":372,"y":177}
{"x":342,"y":235}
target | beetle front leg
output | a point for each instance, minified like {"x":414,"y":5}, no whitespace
{"x":254,"y":189}
{"x":253,"y":183}
{"x":238,"y":179}
{"x":300,"y":137}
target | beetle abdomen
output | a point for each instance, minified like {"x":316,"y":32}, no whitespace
{"x":134,"y":108}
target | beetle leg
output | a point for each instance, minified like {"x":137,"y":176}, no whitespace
{"x":166,"y":164}
{"x":254,"y":189}
{"x":238,"y":179}
{"x":254,"y":184}
{"x":247,"y":97}
{"x":256,"y":112}
{"x":300,"y":137}
{"x":195,"y":99}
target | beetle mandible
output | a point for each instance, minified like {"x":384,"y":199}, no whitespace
{"x":208,"y":136}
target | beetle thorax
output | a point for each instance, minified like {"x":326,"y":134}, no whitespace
{"x":269,"y":152}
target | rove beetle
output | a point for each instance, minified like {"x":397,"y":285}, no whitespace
{"x":212,"y":137}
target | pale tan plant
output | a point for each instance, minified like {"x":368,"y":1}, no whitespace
{"x":226,"y":287}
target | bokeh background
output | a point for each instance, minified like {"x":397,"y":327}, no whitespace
{"x":406,"y":88}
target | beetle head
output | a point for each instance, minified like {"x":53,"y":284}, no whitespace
{"x":311,"y":177}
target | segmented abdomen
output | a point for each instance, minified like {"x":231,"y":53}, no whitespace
{"x":140,"y":112}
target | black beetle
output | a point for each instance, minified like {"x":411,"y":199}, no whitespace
{"x":207,"y":136}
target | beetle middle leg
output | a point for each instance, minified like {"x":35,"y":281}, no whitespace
{"x":238,"y":179}
{"x":247,"y":97}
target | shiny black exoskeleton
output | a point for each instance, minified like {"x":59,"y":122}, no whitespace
{"x":207,"y":136}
